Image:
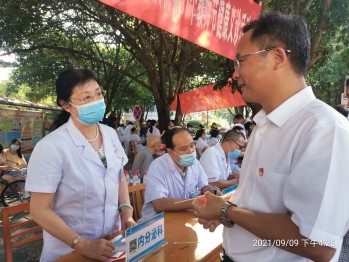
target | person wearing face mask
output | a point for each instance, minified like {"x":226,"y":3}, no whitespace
{"x":15,"y":161}
{"x":175,"y":178}
{"x":79,"y":194}
{"x":216,"y":160}
{"x":213,"y":138}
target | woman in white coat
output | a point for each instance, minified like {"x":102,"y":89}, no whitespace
{"x":79,"y":194}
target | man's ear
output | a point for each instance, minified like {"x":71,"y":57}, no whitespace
{"x":280,"y":57}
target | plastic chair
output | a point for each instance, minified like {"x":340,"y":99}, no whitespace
{"x":136,"y":194}
{"x":18,"y":233}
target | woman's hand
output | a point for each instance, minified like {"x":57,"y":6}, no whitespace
{"x":99,"y":249}
{"x":127,"y":223}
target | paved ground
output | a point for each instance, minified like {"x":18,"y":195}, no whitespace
{"x":29,"y":252}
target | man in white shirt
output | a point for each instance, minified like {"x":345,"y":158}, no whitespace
{"x":175,"y":178}
{"x":121,"y":132}
{"x":215,"y":160}
{"x":291,"y":203}
{"x":127,"y":137}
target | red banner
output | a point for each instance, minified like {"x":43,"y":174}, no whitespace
{"x":212,"y":24}
{"x":206,"y":99}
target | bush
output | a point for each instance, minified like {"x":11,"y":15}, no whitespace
{"x":194,"y":123}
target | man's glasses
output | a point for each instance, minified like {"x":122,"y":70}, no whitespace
{"x":237,"y":59}
{"x":88,"y":99}
{"x":240,"y":146}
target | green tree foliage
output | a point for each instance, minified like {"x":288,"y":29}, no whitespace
{"x":138,"y":63}
{"x":57,"y":34}
{"x":328,"y":21}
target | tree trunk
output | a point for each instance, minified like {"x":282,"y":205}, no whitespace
{"x":163,"y":114}
{"x":315,"y":51}
{"x":178,"y":117}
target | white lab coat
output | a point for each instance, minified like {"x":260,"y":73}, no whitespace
{"x":86,"y":193}
{"x":127,"y":138}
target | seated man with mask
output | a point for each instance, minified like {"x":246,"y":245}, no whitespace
{"x":175,"y":178}
{"x":216,"y":160}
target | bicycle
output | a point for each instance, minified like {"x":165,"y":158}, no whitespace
{"x":12,"y":193}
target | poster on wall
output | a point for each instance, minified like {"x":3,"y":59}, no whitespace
{"x":26,"y":125}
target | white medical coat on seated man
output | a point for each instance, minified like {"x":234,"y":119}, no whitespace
{"x":215,"y":163}
{"x":86,"y":193}
{"x":166,"y":180}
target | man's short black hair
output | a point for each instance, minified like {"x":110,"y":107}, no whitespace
{"x":347,"y":83}
{"x":341,"y":109}
{"x":170,"y":133}
{"x":233,"y":135}
{"x":275,"y":29}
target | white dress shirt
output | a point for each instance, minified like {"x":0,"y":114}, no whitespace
{"x":215,"y":163}
{"x":296,"y":164}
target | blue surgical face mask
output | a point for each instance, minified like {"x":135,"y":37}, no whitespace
{"x":187,"y":159}
{"x":91,"y":113}
{"x":14,"y":147}
{"x":235,"y":154}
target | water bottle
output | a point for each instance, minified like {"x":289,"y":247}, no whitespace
{"x":130,"y":177}
{"x":145,"y":177}
{"x":136,"y":177}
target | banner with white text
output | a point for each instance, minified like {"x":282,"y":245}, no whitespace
{"x":213,"y":24}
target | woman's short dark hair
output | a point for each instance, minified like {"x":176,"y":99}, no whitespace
{"x":214,"y":133}
{"x":342,"y":109}
{"x":275,"y":29}
{"x":65,"y":84}
{"x":199,"y":133}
